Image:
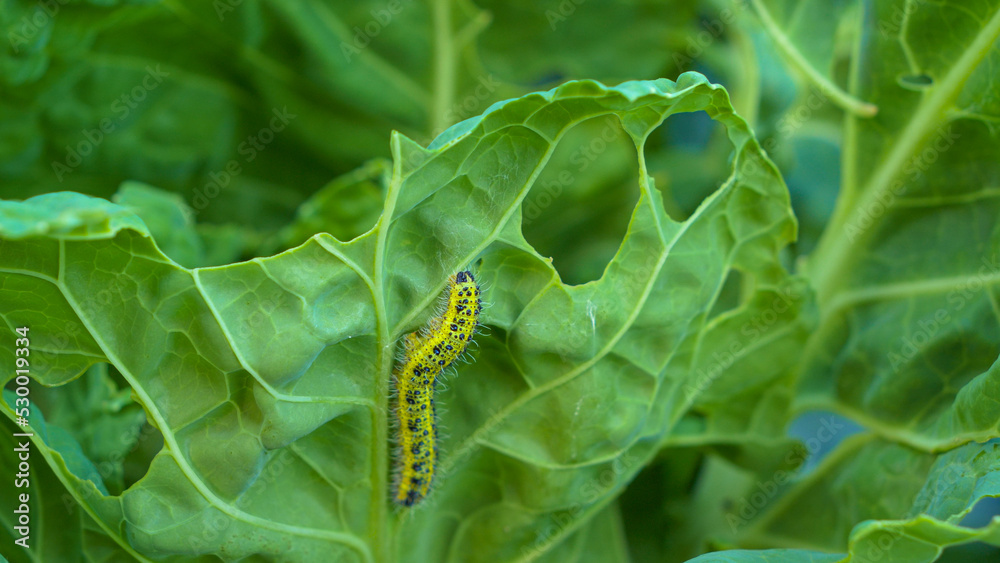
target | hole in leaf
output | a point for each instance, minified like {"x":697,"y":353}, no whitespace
{"x":915,"y":82}
{"x":820,"y":432}
{"x":579,"y":208}
{"x":688,"y":158}
{"x":810,"y":164}
{"x":982,"y":513}
{"x":97,"y":410}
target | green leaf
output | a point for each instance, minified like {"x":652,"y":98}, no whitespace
{"x":168,"y":219}
{"x":212,"y":357}
{"x":896,"y":504}
{"x":907,"y":339}
{"x":269,"y":379}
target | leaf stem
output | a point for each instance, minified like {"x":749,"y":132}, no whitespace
{"x":378,"y":516}
{"x":444,"y":66}
{"x":846,"y":101}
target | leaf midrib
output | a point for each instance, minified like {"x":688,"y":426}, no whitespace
{"x":906,"y":289}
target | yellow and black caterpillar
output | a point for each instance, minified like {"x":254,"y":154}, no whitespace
{"x":426,"y":353}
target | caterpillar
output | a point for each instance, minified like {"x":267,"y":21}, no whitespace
{"x":426,"y":353}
